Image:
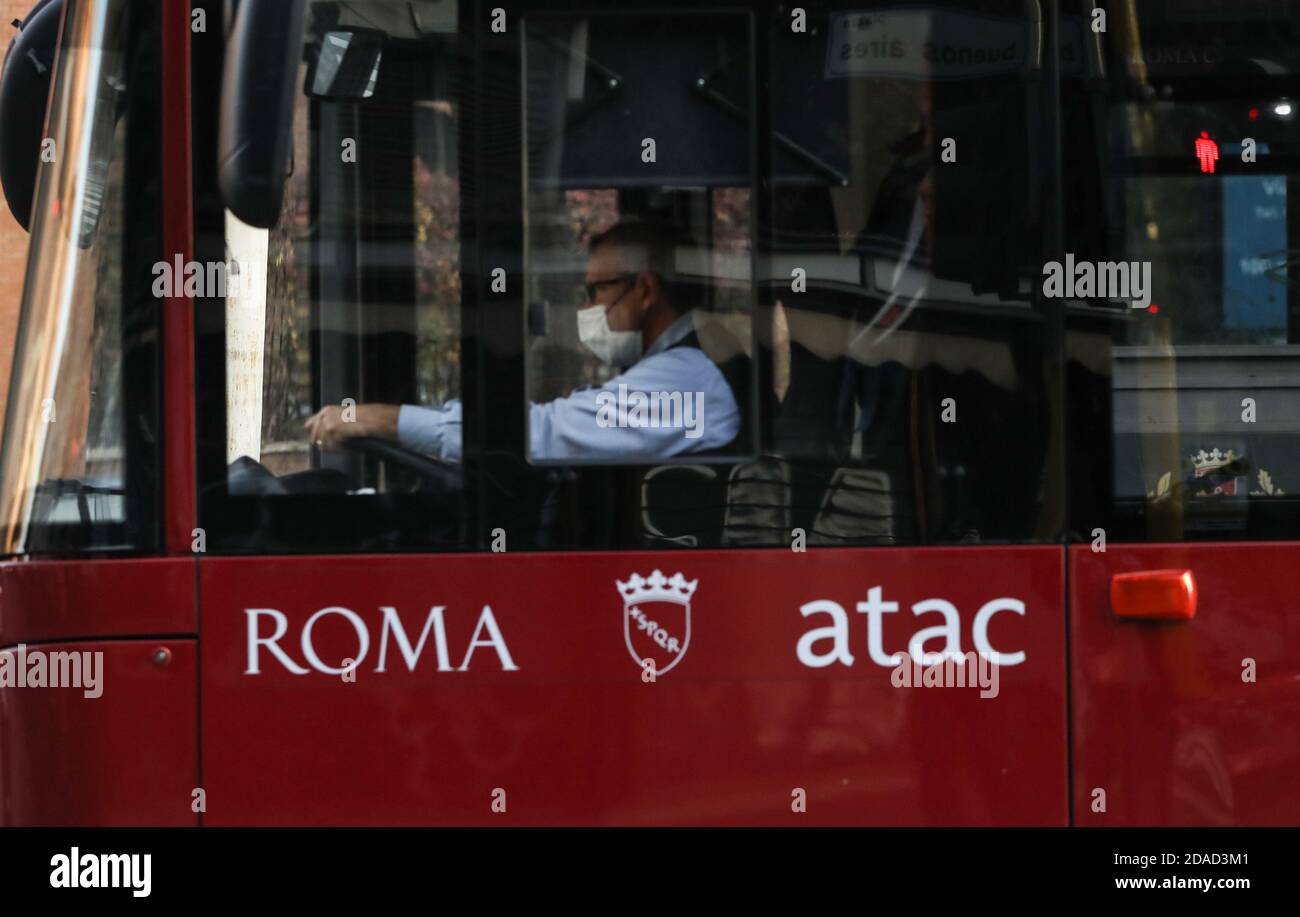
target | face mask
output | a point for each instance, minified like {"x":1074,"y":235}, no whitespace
{"x":613,"y":348}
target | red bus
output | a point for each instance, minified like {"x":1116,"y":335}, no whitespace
{"x":447,"y":412}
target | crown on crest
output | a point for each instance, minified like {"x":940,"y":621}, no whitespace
{"x":657,"y":588}
{"x":1215,"y":458}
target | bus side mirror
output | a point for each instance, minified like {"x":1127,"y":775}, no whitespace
{"x":24,"y":95}
{"x":346,"y":67}
{"x":257,"y":95}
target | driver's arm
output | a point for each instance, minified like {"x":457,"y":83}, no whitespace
{"x":432,"y":431}
{"x":573,"y":427}
{"x":329,"y":427}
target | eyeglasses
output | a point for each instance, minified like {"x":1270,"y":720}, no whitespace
{"x":594,"y":287}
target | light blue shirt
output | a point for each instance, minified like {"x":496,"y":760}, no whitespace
{"x":670,"y":403}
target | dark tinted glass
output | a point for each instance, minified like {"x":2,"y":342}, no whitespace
{"x":845,"y":218}
{"x":1186,"y":398}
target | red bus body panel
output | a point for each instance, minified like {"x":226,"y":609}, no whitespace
{"x":48,"y":600}
{"x":1167,"y":721}
{"x":127,"y":757}
{"x":575,"y":735}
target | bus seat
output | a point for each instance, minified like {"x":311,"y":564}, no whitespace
{"x":758,"y":504}
{"x":859,"y":507}
{"x":682,"y":505}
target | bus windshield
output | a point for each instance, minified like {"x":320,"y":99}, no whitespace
{"x":77,"y":437}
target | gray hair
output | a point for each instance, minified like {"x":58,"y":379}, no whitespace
{"x":652,"y":247}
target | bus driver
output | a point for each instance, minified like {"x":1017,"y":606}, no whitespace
{"x":635,"y":321}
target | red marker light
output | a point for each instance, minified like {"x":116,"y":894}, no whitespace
{"x":1253,"y":114}
{"x":1154,"y":595}
{"x":1207,"y":151}
{"x":1153,"y":309}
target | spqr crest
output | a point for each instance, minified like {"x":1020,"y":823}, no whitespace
{"x":657,"y":618}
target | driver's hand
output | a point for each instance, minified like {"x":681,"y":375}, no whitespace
{"x":331,"y":426}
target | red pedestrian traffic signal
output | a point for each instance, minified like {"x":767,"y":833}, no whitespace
{"x":1207,"y":151}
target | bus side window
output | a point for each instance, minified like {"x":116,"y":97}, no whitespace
{"x":1185,"y":381}
{"x":908,"y":395}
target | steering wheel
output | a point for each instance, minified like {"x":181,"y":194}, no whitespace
{"x":444,"y":476}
